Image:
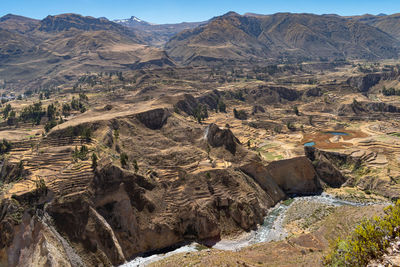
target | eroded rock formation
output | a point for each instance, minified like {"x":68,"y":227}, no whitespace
{"x":364,"y":83}
{"x":217,"y":137}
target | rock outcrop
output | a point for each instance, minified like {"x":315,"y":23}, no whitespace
{"x":295,"y":176}
{"x":154,"y":119}
{"x":326,"y":163}
{"x":264,"y":95}
{"x":217,"y":137}
{"x":190,"y":104}
{"x":364,"y":83}
{"x":359,"y":107}
{"x":107,"y":215}
{"x":260,"y":174}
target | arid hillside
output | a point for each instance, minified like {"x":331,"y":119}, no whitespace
{"x":56,"y":49}
{"x":387,"y":23}
{"x":281,"y":36}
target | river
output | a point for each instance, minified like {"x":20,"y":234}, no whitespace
{"x":271,"y":230}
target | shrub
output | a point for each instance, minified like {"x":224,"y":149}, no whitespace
{"x":368,"y":241}
{"x":81,"y":154}
{"x":124,"y":159}
{"x":33,"y":113}
{"x":94,"y":161}
{"x":66,"y":109}
{"x":7,"y":109}
{"x":291,"y":126}
{"x":221,"y":106}
{"x":240,"y":114}
{"x":135,"y":165}
{"x":5,"y":146}
{"x":49,"y":125}
{"x":51,"y":111}
{"x":296,"y":111}
{"x":12,"y":118}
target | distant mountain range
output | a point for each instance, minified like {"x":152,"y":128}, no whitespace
{"x":282,"y":36}
{"x":160,"y":33}
{"x":63,"y":46}
{"x":387,"y":23}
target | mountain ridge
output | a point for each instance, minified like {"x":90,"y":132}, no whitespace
{"x":282,"y":35}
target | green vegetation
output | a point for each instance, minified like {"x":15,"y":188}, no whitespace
{"x":200,"y":113}
{"x":368,"y":241}
{"x":287,"y":202}
{"x":310,"y":120}
{"x":390,"y":91}
{"x":290,"y":126}
{"x":221,"y":107}
{"x":49,"y":125}
{"x":40,"y":186}
{"x":33,"y":113}
{"x":81,"y":153}
{"x":12,"y":118}
{"x":240,"y":114}
{"x":124,"y":159}
{"x":94,"y":161}
{"x":296,"y":111}
{"x":66,"y":109}
{"x":79,"y":104}
{"x":16,"y":213}
{"x":5,"y":146}
{"x":7,"y":109}
{"x":86,"y":133}
{"x":116,"y":135}
{"x":135,"y":165}
{"x":395,"y":134}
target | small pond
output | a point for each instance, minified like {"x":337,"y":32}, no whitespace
{"x":309,"y":144}
{"x":337,"y":133}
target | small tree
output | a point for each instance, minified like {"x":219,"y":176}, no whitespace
{"x":310,"y":120}
{"x":51,"y":111}
{"x":235,"y":113}
{"x":291,"y":126}
{"x":6,"y":111}
{"x":116,"y":134}
{"x":221,"y":106}
{"x":135,"y":165}
{"x":66,"y":109}
{"x":49,"y":125}
{"x":296,"y":111}
{"x":94,"y":161}
{"x":124,"y":159}
{"x":11,"y":118}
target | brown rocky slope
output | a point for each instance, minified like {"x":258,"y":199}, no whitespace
{"x":118,"y":212}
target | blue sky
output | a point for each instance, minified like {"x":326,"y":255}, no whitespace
{"x":158,"y":11}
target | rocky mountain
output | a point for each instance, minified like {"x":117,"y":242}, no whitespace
{"x":160,"y":33}
{"x":283,"y":36}
{"x":64,"y":46}
{"x":133,"y":22}
{"x":18,"y":23}
{"x":60,"y":47}
{"x":387,"y":23}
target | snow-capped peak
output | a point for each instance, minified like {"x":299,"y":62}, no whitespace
{"x":132,"y":21}
{"x":136,"y":19}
